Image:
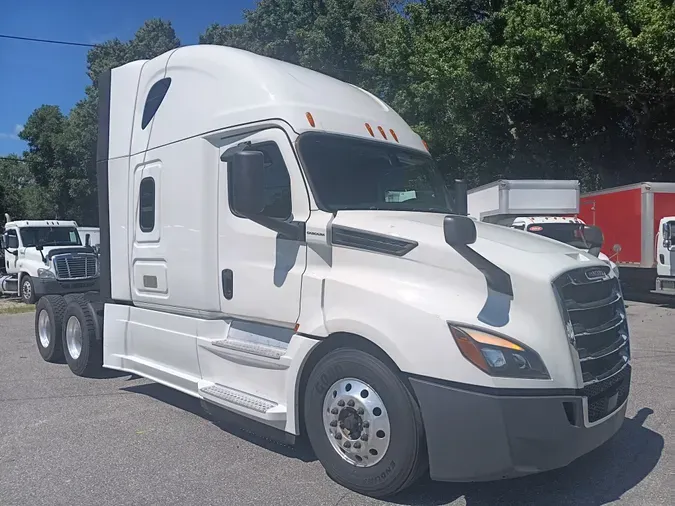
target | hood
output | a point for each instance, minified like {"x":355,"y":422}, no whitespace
{"x":514,"y":251}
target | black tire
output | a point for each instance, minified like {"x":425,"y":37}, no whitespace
{"x":73,"y":296}
{"x":27,"y":294}
{"x":51,"y":307}
{"x":405,"y":459}
{"x":89,"y":361}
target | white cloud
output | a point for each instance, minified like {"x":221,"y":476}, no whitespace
{"x":14,"y":136}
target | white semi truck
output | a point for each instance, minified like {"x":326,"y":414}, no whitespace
{"x":281,"y":246}
{"x":546,"y":207}
{"x":43,"y":257}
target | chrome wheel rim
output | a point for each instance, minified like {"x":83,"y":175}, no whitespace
{"x":44,"y":329}
{"x":26,"y":290}
{"x":74,"y":337}
{"x":356,"y":422}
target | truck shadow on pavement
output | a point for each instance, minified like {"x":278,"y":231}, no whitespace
{"x":596,"y":479}
{"x":234,"y":424}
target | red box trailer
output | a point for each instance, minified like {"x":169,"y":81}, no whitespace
{"x":629,"y":217}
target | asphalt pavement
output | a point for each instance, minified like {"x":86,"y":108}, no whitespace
{"x":119,"y":440}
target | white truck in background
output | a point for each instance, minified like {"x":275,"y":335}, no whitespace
{"x":546,"y":207}
{"x":44,"y":257}
{"x":281,"y":246}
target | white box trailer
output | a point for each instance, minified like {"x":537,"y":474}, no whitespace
{"x":527,"y":197}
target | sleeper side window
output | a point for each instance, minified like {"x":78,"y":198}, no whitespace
{"x":155,"y":97}
{"x":278,"y":202}
{"x":146,"y":214}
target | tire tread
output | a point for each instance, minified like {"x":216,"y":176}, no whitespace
{"x":55,"y":305}
{"x":91,"y":357}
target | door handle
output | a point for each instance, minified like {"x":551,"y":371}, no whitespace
{"x":227,"y":279}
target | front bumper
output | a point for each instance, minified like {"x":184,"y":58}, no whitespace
{"x":478,"y":436}
{"x":57,"y":287}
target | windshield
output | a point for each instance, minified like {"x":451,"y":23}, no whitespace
{"x":348,"y":173}
{"x":50,"y":236}
{"x":569,"y":233}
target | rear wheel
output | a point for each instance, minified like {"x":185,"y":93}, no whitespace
{"x":83,"y":351}
{"x":48,"y":327}
{"x":363,"y":423}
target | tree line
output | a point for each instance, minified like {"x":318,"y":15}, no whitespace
{"x":581,"y":89}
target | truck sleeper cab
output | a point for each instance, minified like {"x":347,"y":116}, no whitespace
{"x":280,"y":245}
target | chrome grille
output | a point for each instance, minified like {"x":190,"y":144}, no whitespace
{"x":79,"y":266}
{"x":598,"y":329}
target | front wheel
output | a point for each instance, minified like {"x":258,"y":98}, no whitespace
{"x":363,"y":423}
{"x":27,"y":290}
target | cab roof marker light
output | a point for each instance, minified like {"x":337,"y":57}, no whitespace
{"x":393,"y":134}
{"x":370,"y":130}
{"x":426,"y":146}
{"x":310,"y":119}
{"x":381,"y":130}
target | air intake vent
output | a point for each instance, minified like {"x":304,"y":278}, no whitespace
{"x":369,"y":241}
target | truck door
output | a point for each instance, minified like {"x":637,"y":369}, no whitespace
{"x":261,"y":274}
{"x":11,"y":240}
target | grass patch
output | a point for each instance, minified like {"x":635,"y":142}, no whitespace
{"x":17,"y":309}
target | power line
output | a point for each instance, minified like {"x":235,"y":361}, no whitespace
{"x":46,"y":41}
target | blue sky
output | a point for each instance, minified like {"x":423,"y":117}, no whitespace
{"x":32,"y":74}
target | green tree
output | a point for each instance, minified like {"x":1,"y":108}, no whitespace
{"x":331,"y":36}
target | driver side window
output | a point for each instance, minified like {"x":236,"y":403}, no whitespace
{"x":11,"y":239}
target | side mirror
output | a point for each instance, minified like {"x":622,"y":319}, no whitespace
{"x":247,"y":183}
{"x":39,"y":247}
{"x":667,"y":238}
{"x":459,"y":230}
{"x":593,"y":236}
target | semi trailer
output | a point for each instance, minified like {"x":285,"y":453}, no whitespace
{"x":546,"y":207}
{"x":281,"y":246}
{"x":638,"y":222}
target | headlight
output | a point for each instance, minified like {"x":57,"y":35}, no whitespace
{"x":498,"y":356}
{"x":46,"y":274}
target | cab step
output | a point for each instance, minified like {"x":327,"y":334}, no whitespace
{"x":236,"y":399}
{"x":261,"y":350}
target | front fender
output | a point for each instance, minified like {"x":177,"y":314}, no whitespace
{"x":407,"y":322}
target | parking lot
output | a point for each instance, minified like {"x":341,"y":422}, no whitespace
{"x":119,"y":440}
